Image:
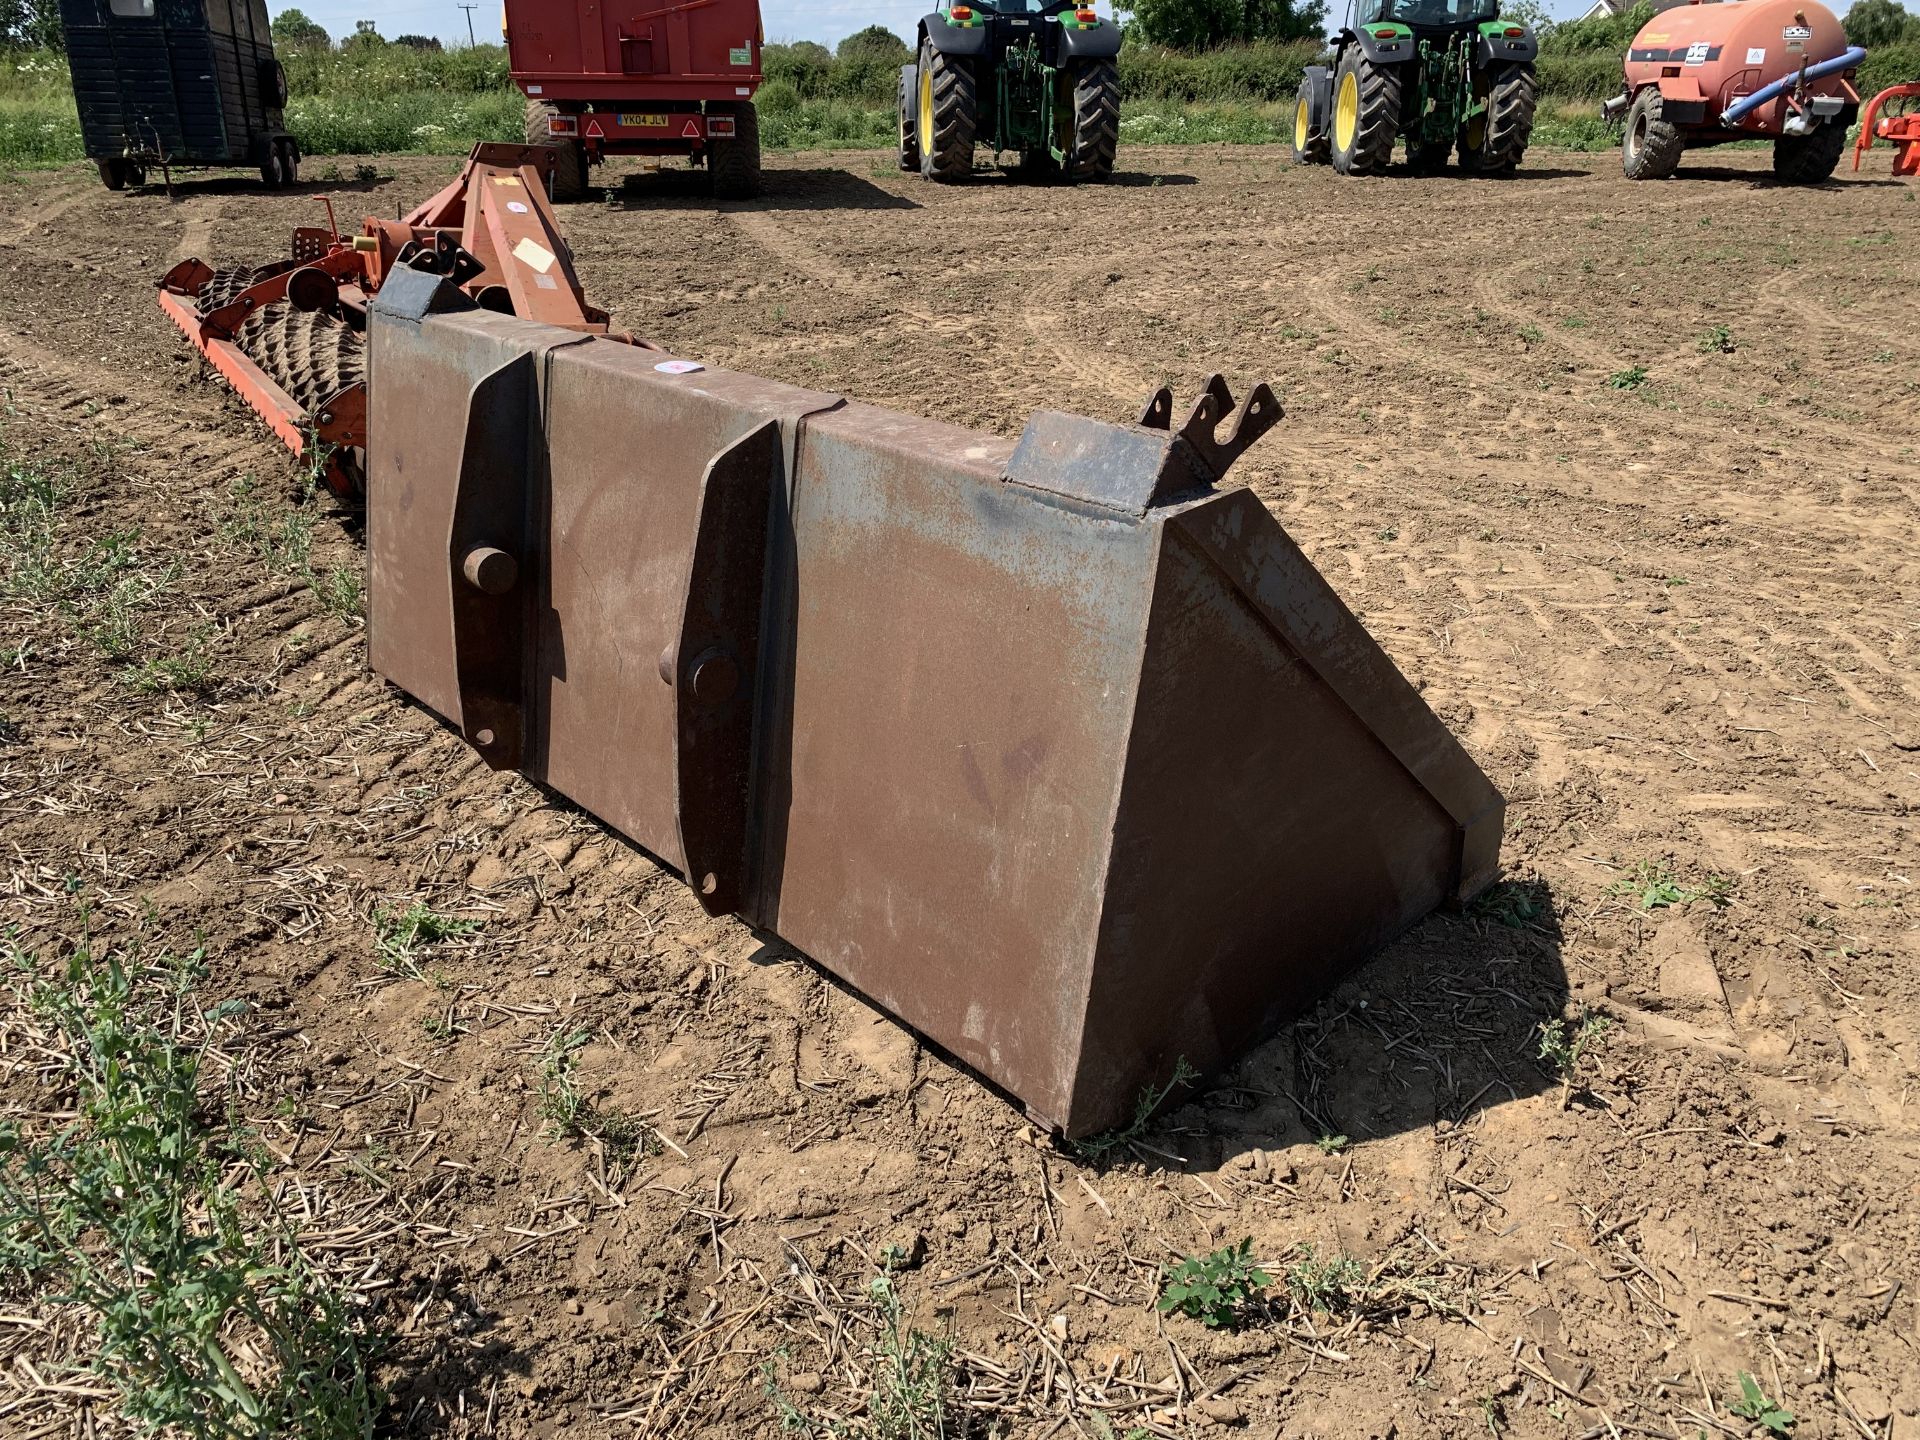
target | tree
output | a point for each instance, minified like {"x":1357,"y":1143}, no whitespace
{"x":365,"y":33}
{"x":417,"y":42}
{"x":1530,"y":13}
{"x":876,"y":41}
{"x":1200,"y":24}
{"x":1880,"y":22}
{"x":294,"y":30}
{"x":34,"y":24}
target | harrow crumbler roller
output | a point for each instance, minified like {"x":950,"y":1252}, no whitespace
{"x":1059,"y":749}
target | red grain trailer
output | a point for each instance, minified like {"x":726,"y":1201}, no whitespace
{"x":640,"y":77}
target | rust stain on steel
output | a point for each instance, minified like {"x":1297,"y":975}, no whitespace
{"x":1065,"y":756}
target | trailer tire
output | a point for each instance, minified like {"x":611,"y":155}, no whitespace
{"x":949,"y":113}
{"x":1651,"y":147}
{"x":734,"y":164}
{"x":1096,"y":121}
{"x":909,"y":120}
{"x":1366,"y":113}
{"x":114,"y":173}
{"x":273,"y":83}
{"x":569,"y":156}
{"x":289,"y":161}
{"x":1809,"y":159}
{"x":273,"y":173}
{"x":1310,"y":147}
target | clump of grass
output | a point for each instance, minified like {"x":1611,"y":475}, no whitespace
{"x":1717,"y":341}
{"x":150,"y":1212}
{"x":912,"y":1373}
{"x":1655,"y":887}
{"x":1219,"y":1289}
{"x":1631,"y":378}
{"x":1565,"y":1044}
{"x":1329,"y":1285}
{"x":1754,"y":1406}
{"x":1514,"y":904}
{"x":1098,"y":1147}
{"x":572,"y":1113}
{"x":190,"y":671}
{"x":401,"y":936}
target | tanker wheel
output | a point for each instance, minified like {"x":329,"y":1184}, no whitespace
{"x":569,"y":156}
{"x":733,"y":163}
{"x":1310,"y":147}
{"x":949,"y":112}
{"x":1652,"y":147}
{"x":909,"y":120}
{"x":1809,"y":159}
{"x":1366,"y":114}
{"x":1494,"y":141}
{"x":1096,"y":121}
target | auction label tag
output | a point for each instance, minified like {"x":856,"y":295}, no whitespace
{"x":679,"y":367}
{"x":532,"y":253}
{"x":740,"y":55}
{"x":1697,"y":52}
{"x":1796,"y":37}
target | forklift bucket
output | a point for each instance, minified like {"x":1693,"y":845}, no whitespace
{"x":1059,"y":751}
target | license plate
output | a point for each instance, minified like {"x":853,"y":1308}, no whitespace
{"x":642,"y":122}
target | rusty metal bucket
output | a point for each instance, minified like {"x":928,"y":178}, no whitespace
{"x":1059,"y":752}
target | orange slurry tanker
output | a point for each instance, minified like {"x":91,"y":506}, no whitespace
{"x":1750,"y":70}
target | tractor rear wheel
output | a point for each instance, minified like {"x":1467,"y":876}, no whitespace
{"x":1809,"y":159}
{"x":909,"y":120}
{"x":1096,"y":121}
{"x":1652,"y":146}
{"x":733,"y":162}
{"x":569,"y":156}
{"x":948,"y":114}
{"x":1310,"y":146}
{"x":1366,"y":114}
{"x":1512,"y":97}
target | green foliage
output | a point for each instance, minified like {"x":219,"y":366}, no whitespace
{"x":1202,"y":24}
{"x":294,"y":31}
{"x":31,"y":24}
{"x":1631,"y":378}
{"x":1655,"y":887}
{"x":912,"y":1374}
{"x":572,"y":1113}
{"x":1716,"y":341}
{"x":876,"y":42}
{"x":400,"y":937}
{"x":1602,"y":34}
{"x":146,"y":1210}
{"x":1564,"y":1044}
{"x":1333,"y":1285}
{"x":1150,"y":1099}
{"x":1218,"y":1289}
{"x":1753,"y":1403}
{"x":1875,"y":23}
{"x":1332,"y":1144}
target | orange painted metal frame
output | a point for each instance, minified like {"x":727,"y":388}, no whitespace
{"x":1902,"y":130}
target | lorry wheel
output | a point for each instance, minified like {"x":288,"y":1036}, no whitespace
{"x":1366,"y":114}
{"x":1511,"y":101}
{"x":1651,"y":149}
{"x":1809,"y":159}
{"x":1310,"y":146}
{"x":569,"y":156}
{"x":1096,"y":121}
{"x":949,"y":111}
{"x":734,"y":164}
{"x":909,"y":120}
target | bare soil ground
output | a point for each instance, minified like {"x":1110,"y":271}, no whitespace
{"x":1624,"y":476}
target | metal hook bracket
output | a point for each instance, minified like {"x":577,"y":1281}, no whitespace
{"x":1256,"y":415}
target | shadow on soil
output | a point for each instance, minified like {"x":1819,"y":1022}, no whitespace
{"x":1762,"y":180}
{"x":187,"y":189}
{"x":1441,"y":1024}
{"x":822,"y":189}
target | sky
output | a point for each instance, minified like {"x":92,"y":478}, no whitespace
{"x":827,"y":21}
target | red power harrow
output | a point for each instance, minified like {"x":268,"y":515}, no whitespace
{"x":1900,"y":125}
{"x":290,"y":336}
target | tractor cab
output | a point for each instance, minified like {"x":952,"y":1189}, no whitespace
{"x":1425,"y":17}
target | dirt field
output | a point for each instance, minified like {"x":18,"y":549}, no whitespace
{"x":1625,"y":477}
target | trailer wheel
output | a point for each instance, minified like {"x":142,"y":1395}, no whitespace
{"x":949,"y":112}
{"x":1366,"y":113}
{"x":909,"y":120}
{"x":289,"y":161}
{"x":734,"y":165}
{"x":1809,"y":159}
{"x":113,"y":173}
{"x":1096,"y":121}
{"x":1652,"y":147}
{"x":273,"y":173}
{"x":569,"y":156}
{"x":1493,"y":143}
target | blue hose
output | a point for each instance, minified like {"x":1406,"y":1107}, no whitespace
{"x":1740,"y":109}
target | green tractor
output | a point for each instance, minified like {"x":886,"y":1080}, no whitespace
{"x":1447,"y":74}
{"x":1034,"y":78}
